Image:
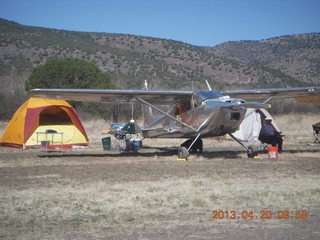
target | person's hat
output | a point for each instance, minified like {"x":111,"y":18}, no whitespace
{"x":268,"y":119}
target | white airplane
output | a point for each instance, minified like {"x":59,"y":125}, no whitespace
{"x":191,"y":114}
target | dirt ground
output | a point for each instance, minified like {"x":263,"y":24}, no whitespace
{"x":95,"y":194}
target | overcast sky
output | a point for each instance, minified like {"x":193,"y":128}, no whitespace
{"x":198,"y":22}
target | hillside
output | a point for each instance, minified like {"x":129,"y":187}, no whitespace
{"x":166,"y":64}
{"x":130,"y":59}
{"x":297,"y":56}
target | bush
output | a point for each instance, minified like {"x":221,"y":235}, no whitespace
{"x":72,"y":73}
{"x":68,"y":73}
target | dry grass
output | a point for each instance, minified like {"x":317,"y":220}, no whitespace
{"x":297,"y":126}
{"x":94,"y":194}
{"x":94,"y":129}
{"x":97,"y":205}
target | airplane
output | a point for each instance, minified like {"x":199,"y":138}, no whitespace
{"x":188,"y":114}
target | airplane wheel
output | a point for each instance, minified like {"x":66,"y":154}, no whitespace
{"x":183,"y":153}
{"x":252,"y":151}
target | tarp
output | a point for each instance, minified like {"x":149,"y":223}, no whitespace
{"x":39,"y":120}
{"x":250,"y":127}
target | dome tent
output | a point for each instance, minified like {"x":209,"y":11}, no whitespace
{"x":38,"y":120}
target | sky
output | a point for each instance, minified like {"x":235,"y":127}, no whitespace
{"x":198,"y":22}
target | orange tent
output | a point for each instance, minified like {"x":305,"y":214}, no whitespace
{"x":44,"y":122}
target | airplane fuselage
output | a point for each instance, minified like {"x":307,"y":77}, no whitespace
{"x":208,"y":116}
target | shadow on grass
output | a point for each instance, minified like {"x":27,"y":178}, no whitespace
{"x":164,"y":152}
{"x":161,"y":152}
{"x":302,"y":151}
{"x":168,"y":151}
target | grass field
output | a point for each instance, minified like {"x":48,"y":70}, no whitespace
{"x":95,"y":194}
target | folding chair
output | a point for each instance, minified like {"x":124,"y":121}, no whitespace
{"x":316,"y":132}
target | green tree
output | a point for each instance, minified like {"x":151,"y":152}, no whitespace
{"x":73,"y":73}
{"x":68,"y":73}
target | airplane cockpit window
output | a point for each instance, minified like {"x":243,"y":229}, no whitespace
{"x":236,"y":101}
{"x":181,"y":108}
{"x":195,"y":101}
{"x":204,"y":95}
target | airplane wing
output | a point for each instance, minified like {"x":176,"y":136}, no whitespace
{"x":309,"y":99}
{"x":114,"y":96}
{"x":303,"y":94}
{"x":163,"y":97}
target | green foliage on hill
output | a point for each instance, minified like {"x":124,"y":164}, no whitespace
{"x":68,"y":73}
{"x":296,"y":56}
{"x":44,"y":37}
{"x":164,"y":63}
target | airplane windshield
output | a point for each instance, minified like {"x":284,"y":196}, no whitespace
{"x":204,"y":95}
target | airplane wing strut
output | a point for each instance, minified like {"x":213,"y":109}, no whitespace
{"x":168,"y":115}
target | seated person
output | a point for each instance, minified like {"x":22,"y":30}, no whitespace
{"x":269,"y":135}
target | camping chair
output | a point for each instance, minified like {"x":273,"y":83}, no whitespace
{"x":263,"y":146}
{"x":265,"y":142}
{"x":316,"y":132}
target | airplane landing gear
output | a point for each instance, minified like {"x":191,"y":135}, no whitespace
{"x":195,"y":145}
{"x":190,"y":146}
{"x":252,"y":151}
{"x":183,"y":153}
